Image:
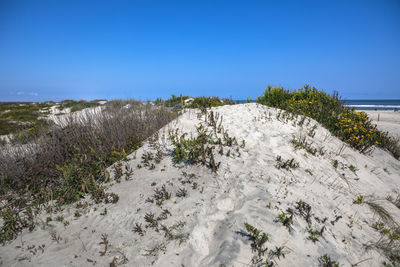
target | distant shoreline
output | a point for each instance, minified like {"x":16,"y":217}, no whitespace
{"x":386,"y":120}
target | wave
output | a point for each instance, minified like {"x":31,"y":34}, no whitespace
{"x":374,"y":106}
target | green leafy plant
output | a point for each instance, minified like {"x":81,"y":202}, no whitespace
{"x":304,"y":210}
{"x":139,"y":229}
{"x":286,"y":219}
{"x":326,"y":261}
{"x":315,"y":234}
{"x":258,"y":241}
{"x":359,"y":200}
{"x":286,"y":164}
{"x":182,"y":192}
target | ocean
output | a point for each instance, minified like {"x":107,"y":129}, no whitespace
{"x":367,"y":104}
{"x":374,"y":104}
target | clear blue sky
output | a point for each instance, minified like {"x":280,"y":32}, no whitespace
{"x":53,"y":50}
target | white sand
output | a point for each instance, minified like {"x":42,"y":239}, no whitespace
{"x":389,"y":121}
{"x":247,"y":188}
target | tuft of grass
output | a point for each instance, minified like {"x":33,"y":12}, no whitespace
{"x":381,"y":211}
{"x":389,"y":243}
{"x":394,"y":201}
{"x":301,"y":143}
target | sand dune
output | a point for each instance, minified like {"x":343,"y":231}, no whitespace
{"x":248,"y":187}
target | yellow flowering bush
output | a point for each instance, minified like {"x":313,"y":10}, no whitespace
{"x":356,"y":129}
{"x":351,"y":126}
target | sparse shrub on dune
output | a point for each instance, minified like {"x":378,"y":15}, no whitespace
{"x":354,"y":128}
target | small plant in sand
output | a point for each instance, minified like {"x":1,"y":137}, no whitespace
{"x":335,"y":163}
{"x":353,"y":168}
{"x":128,"y":172}
{"x":111,"y":198}
{"x":286,"y":164}
{"x":147,"y":160}
{"x":155,"y":249}
{"x":118,"y":172}
{"x":326,"y":261}
{"x":301,"y":143}
{"x":304,"y":209}
{"x":105,"y":243}
{"x":119,"y":260}
{"x":315,"y":234}
{"x":258,"y":242}
{"x":189,"y":177}
{"x":286,"y":219}
{"x":182,"y":192}
{"x":388,"y":243}
{"x":173,"y":232}
{"x":161,"y":194}
{"x":151,"y":220}
{"x":139,"y":229}
{"x":258,"y":246}
{"x":359,"y":200}
{"x":104,"y":212}
{"x":55,"y":237}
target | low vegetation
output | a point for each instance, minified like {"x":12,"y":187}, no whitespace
{"x":70,"y":161}
{"x":78,"y":105}
{"x":179,"y":102}
{"x":23,"y":119}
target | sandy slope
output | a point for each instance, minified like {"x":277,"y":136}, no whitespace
{"x":247,"y":188}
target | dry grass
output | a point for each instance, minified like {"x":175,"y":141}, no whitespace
{"x":70,"y":159}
